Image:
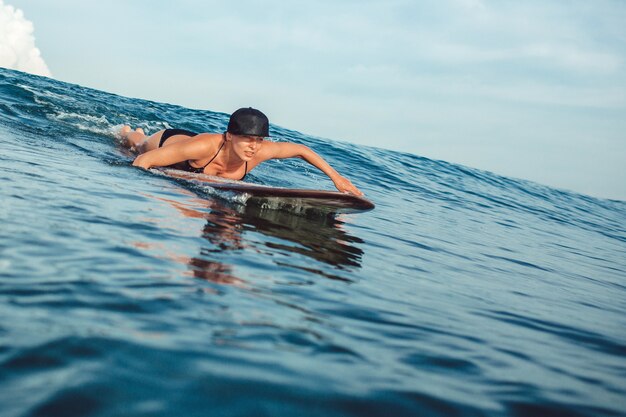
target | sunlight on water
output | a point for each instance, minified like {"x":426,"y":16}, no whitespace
{"x":127,"y":292}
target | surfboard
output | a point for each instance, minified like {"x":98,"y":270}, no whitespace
{"x":281,"y":197}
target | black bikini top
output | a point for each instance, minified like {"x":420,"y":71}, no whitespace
{"x":186,"y":165}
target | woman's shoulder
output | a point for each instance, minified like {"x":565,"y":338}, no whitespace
{"x":208,"y":140}
{"x":269,"y":148}
{"x":210,"y":136}
{"x":279,"y":150}
{"x":199,"y":146}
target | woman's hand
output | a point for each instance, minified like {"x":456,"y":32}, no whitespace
{"x":141,"y":162}
{"x":345,"y":186}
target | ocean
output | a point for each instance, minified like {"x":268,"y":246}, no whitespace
{"x":124,"y":292}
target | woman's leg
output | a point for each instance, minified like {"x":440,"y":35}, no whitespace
{"x":132,"y":138}
{"x":136,"y":140}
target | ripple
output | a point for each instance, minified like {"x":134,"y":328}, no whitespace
{"x":123,"y":292}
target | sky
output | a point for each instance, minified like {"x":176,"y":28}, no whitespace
{"x":529,"y":89}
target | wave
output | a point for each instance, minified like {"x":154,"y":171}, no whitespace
{"x":463,"y":293}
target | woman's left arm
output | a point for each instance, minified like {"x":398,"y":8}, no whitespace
{"x":280,"y":150}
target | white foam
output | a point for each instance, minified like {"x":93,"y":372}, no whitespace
{"x":85,"y":122}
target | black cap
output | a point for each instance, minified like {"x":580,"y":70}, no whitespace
{"x":249,"y":122}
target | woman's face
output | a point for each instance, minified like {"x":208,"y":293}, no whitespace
{"x":246,"y":147}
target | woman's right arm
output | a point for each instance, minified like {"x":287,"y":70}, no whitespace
{"x":192,"y":148}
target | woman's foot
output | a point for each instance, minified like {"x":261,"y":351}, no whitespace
{"x":124,"y":131}
{"x":132,"y":139}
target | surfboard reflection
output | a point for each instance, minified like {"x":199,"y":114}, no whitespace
{"x":319,"y":238}
{"x":322,"y":239}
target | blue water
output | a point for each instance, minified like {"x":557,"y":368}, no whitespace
{"x":126,"y":293}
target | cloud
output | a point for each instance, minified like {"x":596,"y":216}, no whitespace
{"x":17,"y":43}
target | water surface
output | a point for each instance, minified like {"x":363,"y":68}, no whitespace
{"x":125,"y":292}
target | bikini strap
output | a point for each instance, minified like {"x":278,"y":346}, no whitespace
{"x":218,"y":151}
{"x":245,"y":172}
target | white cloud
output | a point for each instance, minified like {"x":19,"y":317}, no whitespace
{"x":17,"y":43}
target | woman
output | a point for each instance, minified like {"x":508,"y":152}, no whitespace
{"x":231,"y":154}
